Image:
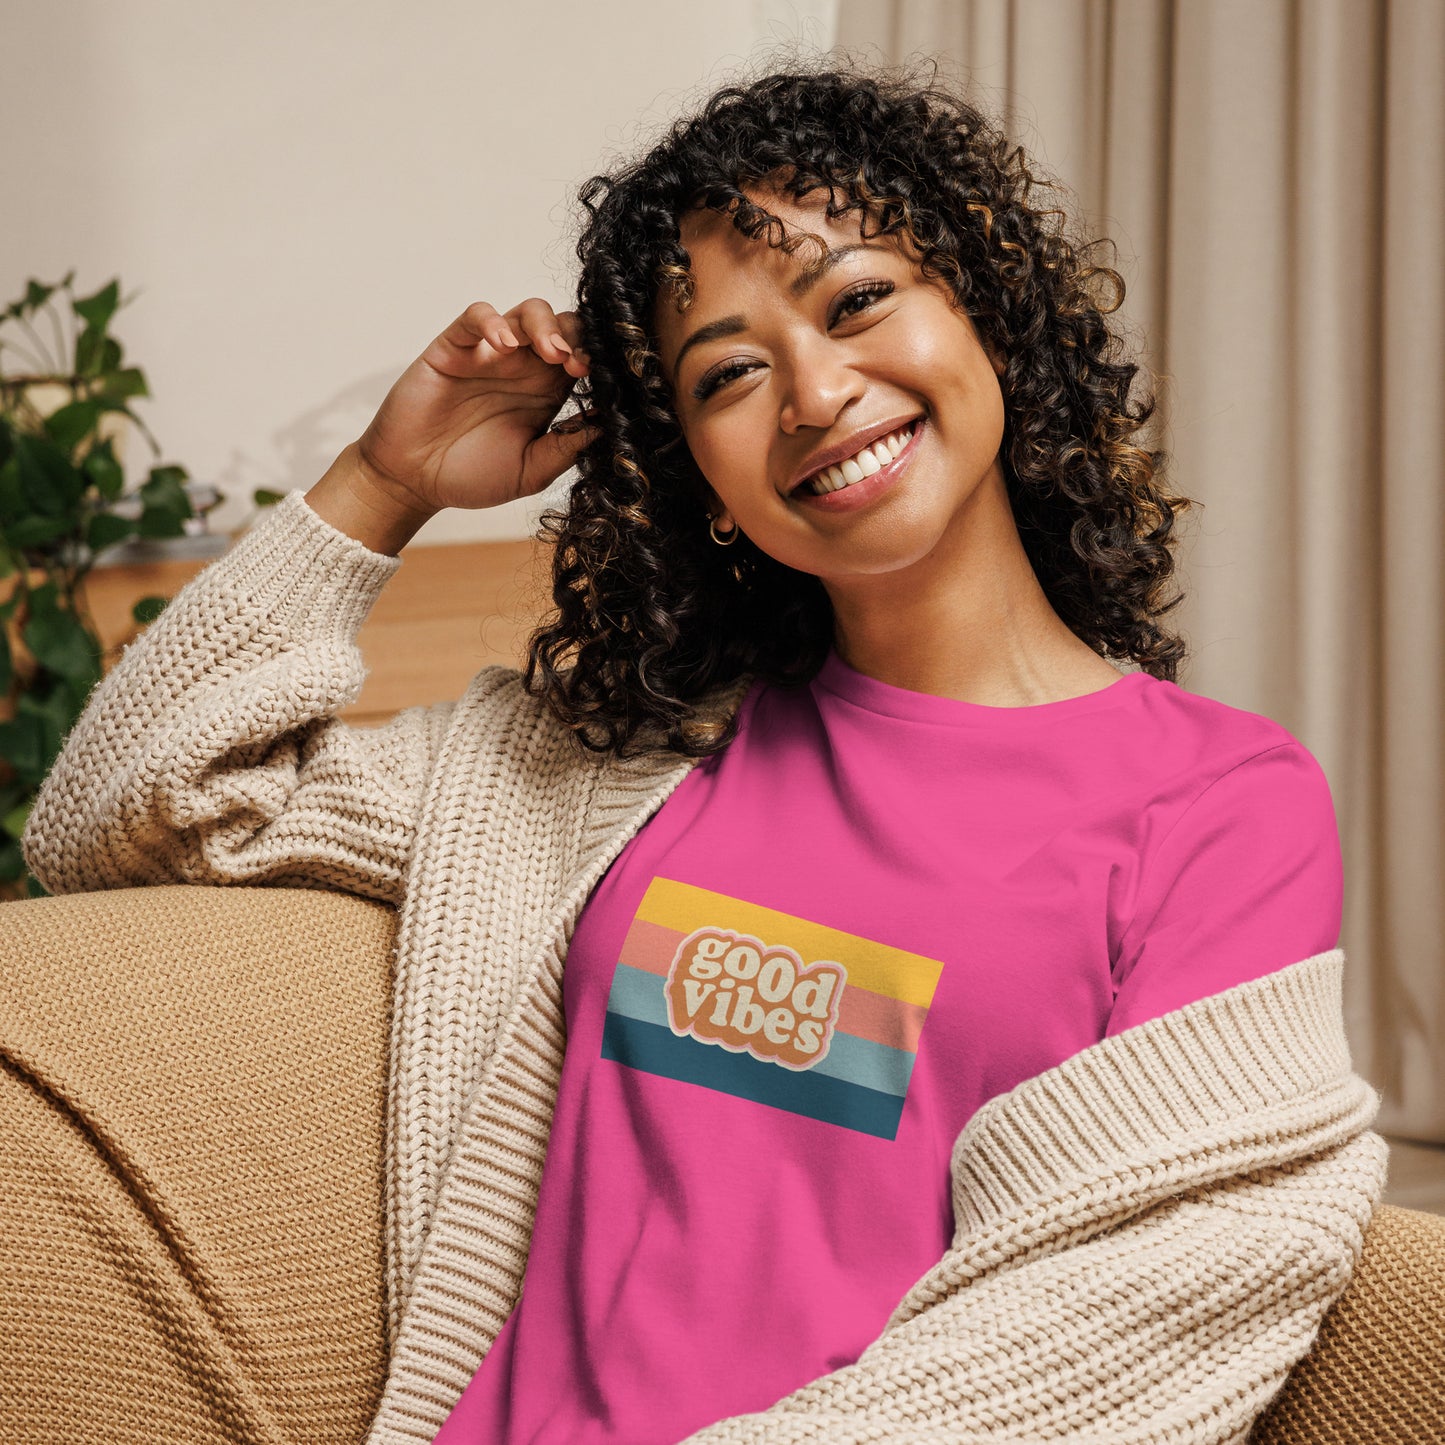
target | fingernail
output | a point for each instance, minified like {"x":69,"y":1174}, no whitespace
{"x":508,"y":337}
{"x":559,"y":342}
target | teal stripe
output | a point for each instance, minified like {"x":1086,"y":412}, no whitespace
{"x":637,"y":994}
{"x":655,"y":1049}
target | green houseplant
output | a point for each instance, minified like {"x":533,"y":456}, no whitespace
{"x":63,"y":405}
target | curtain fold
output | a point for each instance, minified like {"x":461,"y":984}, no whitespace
{"x":1273,"y":175}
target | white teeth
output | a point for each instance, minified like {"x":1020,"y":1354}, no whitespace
{"x":872,"y":458}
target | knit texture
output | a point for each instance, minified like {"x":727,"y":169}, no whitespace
{"x":1148,"y":1235}
{"x":1376,"y":1372}
{"x":191,"y":1128}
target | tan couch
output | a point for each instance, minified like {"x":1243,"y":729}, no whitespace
{"x":191,"y":1156}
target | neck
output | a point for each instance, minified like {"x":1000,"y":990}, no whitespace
{"x":968,"y":620}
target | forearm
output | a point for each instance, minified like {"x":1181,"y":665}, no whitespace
{"x":356,"y":502}
{"x":211,"y":753}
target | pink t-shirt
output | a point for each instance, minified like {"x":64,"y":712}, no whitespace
{"x":874,"y":911}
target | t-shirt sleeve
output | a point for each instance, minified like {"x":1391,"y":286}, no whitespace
{"x":1248,"y":880}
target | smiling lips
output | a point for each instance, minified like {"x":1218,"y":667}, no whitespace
{"x":872,"y":458}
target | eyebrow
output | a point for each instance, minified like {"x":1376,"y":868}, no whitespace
{"x":798,"y":288}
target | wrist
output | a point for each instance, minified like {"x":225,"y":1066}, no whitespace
{"x":360,"y":501}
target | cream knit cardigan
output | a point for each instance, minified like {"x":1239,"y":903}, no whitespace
{"x":1147,"y":1236}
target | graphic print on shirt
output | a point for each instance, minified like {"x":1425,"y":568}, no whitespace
{"x":726,"y":994}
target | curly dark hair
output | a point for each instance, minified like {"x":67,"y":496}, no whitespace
{"x":650,"y":615}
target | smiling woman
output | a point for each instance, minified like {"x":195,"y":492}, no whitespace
{"x":909,"y":544}
{"x":924,"y":1032}
{"x":827,"y":321}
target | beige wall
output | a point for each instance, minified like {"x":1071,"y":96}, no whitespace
{"x":301,"y":196}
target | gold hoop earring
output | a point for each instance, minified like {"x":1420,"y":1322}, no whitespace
{"x":727,"y":541}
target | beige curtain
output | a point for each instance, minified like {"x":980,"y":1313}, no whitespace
{"x":1273,"y":172}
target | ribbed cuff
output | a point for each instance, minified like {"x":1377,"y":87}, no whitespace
{"x":1260,"y":1045}
{"x":320,"y":578}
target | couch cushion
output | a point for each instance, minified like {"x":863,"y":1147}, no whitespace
{"x":1376,"y":1371}
{"x":191,"y":1139}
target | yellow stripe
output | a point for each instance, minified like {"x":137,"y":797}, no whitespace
{"x":880,"y":969}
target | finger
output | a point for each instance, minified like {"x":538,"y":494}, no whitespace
{"x":585,"y":419}
{"x":480,"y":323}
{"x":553,"y":452}
{"x":570,"y":325}
{"x":543,"y":331}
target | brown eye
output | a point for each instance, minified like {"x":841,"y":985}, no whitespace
{"x":870,"y":291}
{"x":715,"y":379}
{"x":867,"y":293}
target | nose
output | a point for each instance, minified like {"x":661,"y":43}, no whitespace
{"x":820,"y":382}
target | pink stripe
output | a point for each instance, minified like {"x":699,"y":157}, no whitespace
{"x":865,"y":1015}
{"x":650,"y":946}
{"x":888,"y":1021}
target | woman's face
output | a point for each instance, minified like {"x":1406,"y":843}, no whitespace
{"x":769,"y":372}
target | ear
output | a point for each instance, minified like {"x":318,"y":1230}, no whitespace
{"x":715,"y":509}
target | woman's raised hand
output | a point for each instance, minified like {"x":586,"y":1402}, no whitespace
{"x":467,"y":423}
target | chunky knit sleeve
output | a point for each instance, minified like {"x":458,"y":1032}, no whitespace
{"x":210,"y":752}
{"x":1148,"y":1237}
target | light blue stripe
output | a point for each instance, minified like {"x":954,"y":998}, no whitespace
{"x":638,"y":994}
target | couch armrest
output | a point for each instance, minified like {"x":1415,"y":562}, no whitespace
{"x":192,"y":1111}
{"x":1376,"y":1371}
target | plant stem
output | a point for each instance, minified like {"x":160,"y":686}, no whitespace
{"x":35,"y":337}
{"x":33,"y":361}
{"x":55,"y":327}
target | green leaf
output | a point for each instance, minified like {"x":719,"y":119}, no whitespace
{"x":148,"y":609}
{"x":101,"y":467}
{"x":71,"y":422}
{"x":12,"y":494}
{"x":41,"y":722}
{"x":13,"y":822}
{"x":262,"y":497}
{"x":52,"y":485}
{"x":60,"y":642}
{"x":12,"y":861}
{"x":22,"y":745}
{"x":36,"y":295}
{"x":71,"y":696}
{"x":167,"y":506}
{"x":97,"y":310}
{"x":109,"y":356}
{"x":35,"y":530}
{"x":165,"y":482}
{"x":161,"y":522}
{"x":128,"y":382}
{"x":106,"y":402}
{"x":7,"y":663}
{"x":90,"y":352}
{"x":105,"y":529}
{"x":45,"y":596}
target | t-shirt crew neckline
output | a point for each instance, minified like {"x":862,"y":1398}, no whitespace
{"x":837,"y":677}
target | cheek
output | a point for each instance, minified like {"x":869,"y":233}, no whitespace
{"x":947,"y":352}
{"x":962,"y":380}
{"x":728,"y":456}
